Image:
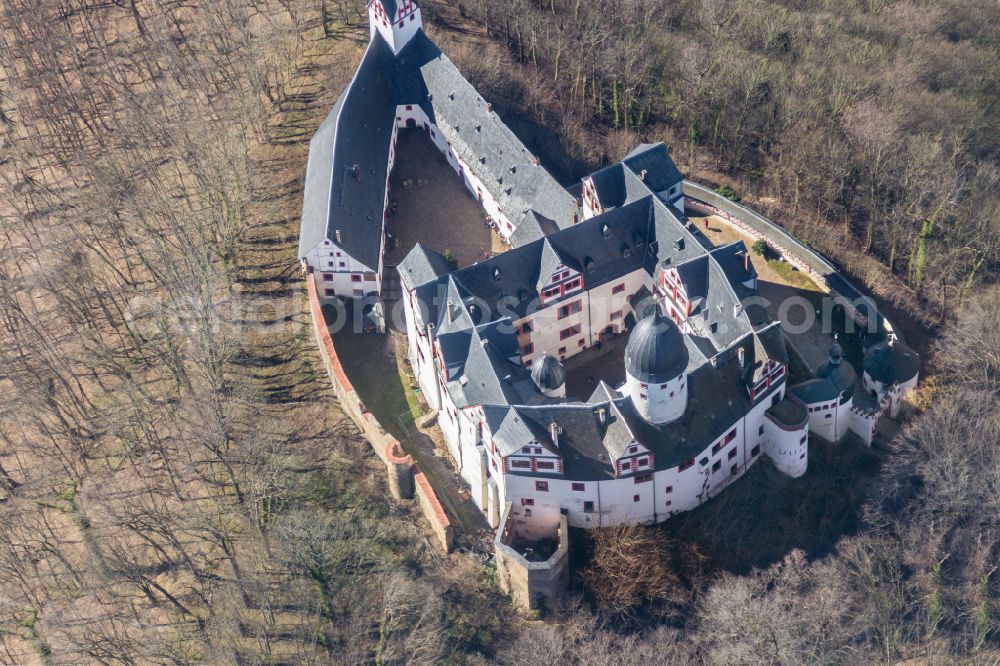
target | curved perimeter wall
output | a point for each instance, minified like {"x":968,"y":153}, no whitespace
{"x":794,"y":251}
{"x":405,"y":477}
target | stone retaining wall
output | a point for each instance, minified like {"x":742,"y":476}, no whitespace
{"x":799,"y":255}
{"x":405,"y":477}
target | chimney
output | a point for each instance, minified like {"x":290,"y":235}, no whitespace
{"x":746,"y":261}
{"x":337,"y":235}
{"x":602,"y":415}
{"x":554,"y":433}
{"x":536,"y":161}
{"x":451,"y":310}
{"x":489,"y":107}
{"x":743,"y":358}
{"x":642,"y":175}
{"x":357,"y":172}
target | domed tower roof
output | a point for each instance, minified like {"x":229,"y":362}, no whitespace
{"x":548,"y":373}
{"x":840,"y":373}
{"x":656,"y":351}
{"x":891,"y":362}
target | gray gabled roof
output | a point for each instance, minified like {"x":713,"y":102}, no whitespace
{"x":348,"y":162}
{"x":735,"y":263}
{"x":490,"y":148}
{"x":661,"y":172}
{"x":421,"y":265}
{"x":532,"y":227}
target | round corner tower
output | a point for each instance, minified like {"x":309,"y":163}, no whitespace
{"x":656,"y":361}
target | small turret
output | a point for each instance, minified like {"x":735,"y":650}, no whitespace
{"x":549,"y":376}
{"x":656,"y":360}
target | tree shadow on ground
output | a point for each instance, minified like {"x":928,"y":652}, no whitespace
{"x":765,"y":515}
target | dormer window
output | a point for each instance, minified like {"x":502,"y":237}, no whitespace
{"x":679,"y":244}
{"x":626,"y":252}
{"x":497,"y":275}
{"x":606,"y":232}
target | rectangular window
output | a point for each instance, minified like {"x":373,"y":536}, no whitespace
{"x":641,"y":462}
{"x":617,"y":314}
{"x":569,"y":332}
{"x":716,"y":447}
{"x":686,"y":465}
{"x":330,"y":292}
{"x":542,"y":486}
{"x":734,"y":470}
{"x":669,"y":502}
{"x":526,"y":328}
{"x":355,"y":278}
{"x":626,"y":465}
{"x":670,"y":489}
{"x":760,"y":431}
{"x":562,"y":350}
{"x":581,"y":343}
{"x":568,"y":309}
{"x":342,"y":265}
{"x":579,"y":487}
{"x":527,"y":349}
{"x":731,"y":435}
{"x":525,"y":449}
{"x":732,"y":453}
{"x":544,"y":464}
{"x":588,"y":507}
{"x":618,"y":288}
{"x":520,"y":464}
{"x":327,"y":277}
{"x":633,"y":449}
{"x":527,"y":501}
{"x":643,"y":478}
{"x":635,"y":498}
{"x":717,"y":466}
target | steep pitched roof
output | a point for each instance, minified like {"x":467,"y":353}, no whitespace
{"x":532,"y":227}
{"x":490,"y":148}
{"x":660,"y":171}
{"x":734,"y":261}
{"x":348,"y":161}
{"x":422,"y":265}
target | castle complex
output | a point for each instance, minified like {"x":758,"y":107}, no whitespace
{"x":612,"y":263}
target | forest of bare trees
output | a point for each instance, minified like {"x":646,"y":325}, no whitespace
{"x":870,"y":128}
{"x":177,"y":483}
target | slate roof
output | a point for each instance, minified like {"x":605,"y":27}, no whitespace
{"x":838,"y":370}
{"x":548,"y":373}
{"x":490,"y":148}
{"x":891,"y":364}
{"x":732,"y":260}
{"x":422,"y":265}
{"x":532,"y":227}
{"x":656,"y":352}
{"x":357,"y":132}
{"x":478,"y":344}
{"x":789,"y":412}
{"x":661,"y":172}
{"x":814,"y":391}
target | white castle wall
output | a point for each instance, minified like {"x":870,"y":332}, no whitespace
{"x":787,"y":448}
{"x":658,"y":403}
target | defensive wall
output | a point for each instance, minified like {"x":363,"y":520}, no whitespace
{"x":406,"y":480}
{"x":531,"y":583}
{"x":795,"y":252}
